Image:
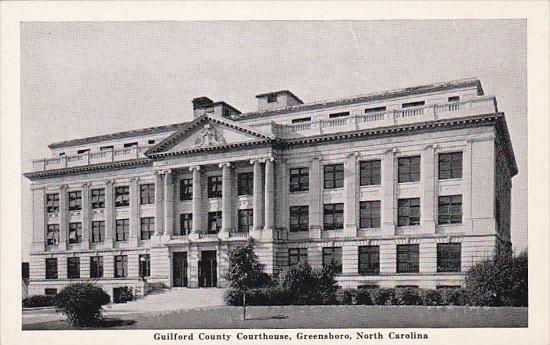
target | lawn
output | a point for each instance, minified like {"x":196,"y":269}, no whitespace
{"x":314,"y":317}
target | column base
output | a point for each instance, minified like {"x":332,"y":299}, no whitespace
{"x":350,"y":230}
{"x":388,"y":229}
{"x":315,"y":231}
{"x":194,"y":236}
{"x":223,"y":235}
{"x":429,"y":226}
{"x":85,"y":244}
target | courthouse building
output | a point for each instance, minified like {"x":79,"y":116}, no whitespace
{"x":407,"y":187}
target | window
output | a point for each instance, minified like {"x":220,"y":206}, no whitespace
{"x":122,"y":196}
{"x":333,"y":217}
{"x":299,"y":179}
{"x":79,"y":152}
{"x":52,"y":203}
{"x":186,"y":189}
{"x":147,"y":228}
{"x":333,"y":256}
{"x":412,"y":104}
{"x":122,"y":229}
{"x":147,"y":194}
{"x":52,"y":235}
{"x":375,"y":110}
{"x":73,"y":268}
{"x":272,"y":98}
{"x":121,"y":266}
{"x":246,"y":183}
{"x":409,"y":169}
{"x":75,"y":201}
{"x":407,"y":258}
{"x":369,"y":260}
{"x":214,"y":186}
{"x":214,"y":222}
{"x":296,"y":255}
{"x":301,"y":120}
{"x":98,"y":231}
{"x":245,"y":220}
{"x":299,"y":218}
{"x":144,"y":265}
{"x":150,"y":142}
{"x":186,"y":224}
{"x":334,"y":176}
{"x":127,"y":145}
{"x":98,"y":198}
{"x":51,"y":268}
{"x":369,"y":214}
{"x":50,"y":292}
{"x":62,"y":154}
{"x":408,"y":212}
{"x":107,"y":148}
{"x":336,"y":115}
{"x":449,"y":209}
{"x":75,"y":233}
{"x":369,"y":172}
{"x":454,"y":99}
{"x":450,"y":165}
{"x":96,"y":267}
{"x":448,"y":257}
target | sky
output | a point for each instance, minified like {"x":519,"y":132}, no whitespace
{"x":81,"y":79}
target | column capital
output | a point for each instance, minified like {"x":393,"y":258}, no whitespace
{"x":195,"y":168}
{"x":111,"y":182}
{"x":352,"y":154}
{"x":391,"y":150}
{"x":225,"y":164}
{"x":430,"y":146}
{"x":317,"y":158}
{"x":64,"y":186}
{"x":134,"y":179}
{"x":257,"y":160}
{"x":86,"y":184}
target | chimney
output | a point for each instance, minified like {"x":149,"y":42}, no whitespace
{"x":200,"y":105}
{"x":204,"y":105}
{"x":277,"y":99}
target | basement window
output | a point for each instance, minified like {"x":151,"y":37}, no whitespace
{"x":413,"y":104}
{"x":127,"y":145}
{"x":61,"y":154}
{"x":374,"y":110}
{"x":150,"y":142}
{"x":336,"y":115}
{"x":454,"y":99}
{"x":106,"y":148}
{"x":83,"y":151}
{"x":301,"y":120}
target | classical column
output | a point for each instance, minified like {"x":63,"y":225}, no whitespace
{"x":227,"y":198}
{"x":315,"y":198}
{"x":63,"y":217}
{"x":135,"y":221}
{"x":197,"y":200}
{"x":428,"y":182}
{"x":269,"y":195}
{"x":159,"y":204}
{"x":86,"y":216}
{"x":109,"y":213}
{"x":168,"y":203}
{"x":282,"y":212}
{"x":258,"y":196}
{"x":350,"y":193}
{"x":388,"y":204}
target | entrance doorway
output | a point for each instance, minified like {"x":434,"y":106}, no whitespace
{"x":179,"y":269}
{"x":208,"y":269}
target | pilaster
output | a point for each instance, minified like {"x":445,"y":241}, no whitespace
{"x":109,"y":214}
{"x":39,"y":221}
{"x":135,"y":221}
{"x":197,"y":203}
{"x":315,"y":198}
{"x":86,"y":217}
{"x":467,"y":186}
{"x":168,"y":203}
{"x":159,"y":204}
{"x":269,"y":196}
{"x":388,"y":204}
{"x":350,"y":193}
{"x":227,"y":200}
{"x":63,"y":217}
{"x":428,"y":183}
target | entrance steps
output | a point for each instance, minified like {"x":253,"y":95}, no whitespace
{"x":179,"y":298}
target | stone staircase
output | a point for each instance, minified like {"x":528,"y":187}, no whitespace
{"x":165,"y":300}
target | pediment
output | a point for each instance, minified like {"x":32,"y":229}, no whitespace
{"x":207,"y":133}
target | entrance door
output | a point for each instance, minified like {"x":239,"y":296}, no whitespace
{"x":179,"y":268}
{"x":208,"y":269}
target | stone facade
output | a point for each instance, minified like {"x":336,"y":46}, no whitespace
{"x":397,"y":174}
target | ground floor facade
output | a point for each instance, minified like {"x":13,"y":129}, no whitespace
{"x":424,"y":262}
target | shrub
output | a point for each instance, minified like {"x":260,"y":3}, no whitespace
{"x":347,"y":296}
{"x":430,"y":297}
{"x":500,"y":281}
{"x":308,"y":286}
{"x":81,"y":303}
{"x":272,"y":295}
{"x":38,"y":301}
{"x":407,"y":296}
{"x":364,"y":296}
{"x":382,"y":296}
{"x":453,"y":296}
{"x":125,"y":294}
{"x":245,"y":270}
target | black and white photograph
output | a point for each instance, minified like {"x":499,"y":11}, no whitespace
{"x":348,"y":179}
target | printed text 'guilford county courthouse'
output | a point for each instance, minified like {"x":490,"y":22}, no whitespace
{"x":407,"y":187}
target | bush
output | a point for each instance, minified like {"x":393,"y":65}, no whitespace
{"x":308,"y":286}
{"x":81,"y":303}
{"x":38,"y":301}
{"x":273,"y":295}
{"x":407,"y":296}
{"x":346,"y":296}
{"x":430,"y":297}
{"x":382,"y":296}
{"x":124,"y":294}
{"x":364,"y":296}
{"x":453,"y":296}
{"x":500,"y":281}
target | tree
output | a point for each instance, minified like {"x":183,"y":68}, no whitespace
{"x":82,"y":303}
{"x":500,"y":281}
{"x":245,"y":271}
